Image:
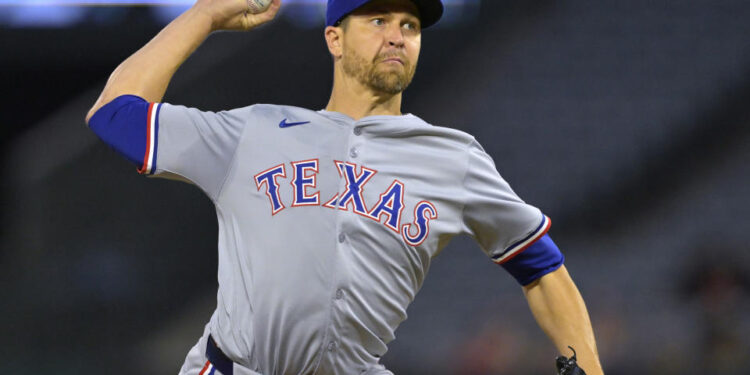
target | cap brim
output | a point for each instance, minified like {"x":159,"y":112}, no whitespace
{"x":430,"y":11}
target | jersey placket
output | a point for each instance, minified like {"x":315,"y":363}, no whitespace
{"x":332,"y":344}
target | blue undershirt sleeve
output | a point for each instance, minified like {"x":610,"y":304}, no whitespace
{"x":539,"y":259}
{"x":122,"y":124}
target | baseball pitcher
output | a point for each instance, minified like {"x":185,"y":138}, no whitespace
{"x":328,"y":219}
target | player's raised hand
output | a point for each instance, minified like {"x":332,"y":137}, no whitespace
{"x":235,"y":14}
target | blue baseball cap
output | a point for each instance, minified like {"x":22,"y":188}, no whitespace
{"x":430,"y":11}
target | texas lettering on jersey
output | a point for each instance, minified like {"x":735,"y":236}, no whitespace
{"x":389,"y":206}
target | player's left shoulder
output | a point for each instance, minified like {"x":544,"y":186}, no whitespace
{"x":459,"y":137}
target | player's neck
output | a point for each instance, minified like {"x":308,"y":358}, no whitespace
{"x":357,"y":101}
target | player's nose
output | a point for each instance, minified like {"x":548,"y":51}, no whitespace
{"x":394,"y":34}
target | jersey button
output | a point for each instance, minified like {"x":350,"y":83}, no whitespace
{"x":342,"y":237}
{"x":353,"y":152}
{"x":332,"y":346}
{"x":339,"y":294}
{"x":357,"y":131}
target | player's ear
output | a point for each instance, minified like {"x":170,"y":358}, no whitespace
{"x":334,"y":37}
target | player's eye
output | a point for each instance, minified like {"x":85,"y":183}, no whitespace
{"x":378,"y":21}
{"x":411,"y":26}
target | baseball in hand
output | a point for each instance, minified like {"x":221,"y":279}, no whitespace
{"x":258,"y":6}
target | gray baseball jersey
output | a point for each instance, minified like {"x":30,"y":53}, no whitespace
{"x":327,"y":225}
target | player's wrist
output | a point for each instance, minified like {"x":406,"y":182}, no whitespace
{"x":203,"y":15}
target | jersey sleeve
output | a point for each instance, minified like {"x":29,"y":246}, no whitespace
{"x":170,"y":140}
{"x":502,"y":224}
{"x":197,"y":145}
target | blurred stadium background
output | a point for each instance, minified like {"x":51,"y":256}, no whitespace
{"x":628,"y":123}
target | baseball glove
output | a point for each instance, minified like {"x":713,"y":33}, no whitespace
{"x":568,"y":366}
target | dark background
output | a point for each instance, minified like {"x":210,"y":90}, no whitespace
{"x":628,"y":123}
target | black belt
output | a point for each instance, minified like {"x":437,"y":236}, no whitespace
{"x":217,"y":358}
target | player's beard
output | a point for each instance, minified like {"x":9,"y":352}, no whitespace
{"x":373,"y":75}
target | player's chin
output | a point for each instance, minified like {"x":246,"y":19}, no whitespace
{"x":395,"y":71}
{"x":390,"y":83}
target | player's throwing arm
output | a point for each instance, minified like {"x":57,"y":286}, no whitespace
{"x":147,"y":72}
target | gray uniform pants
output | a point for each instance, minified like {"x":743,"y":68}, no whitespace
{"x":196,"y":361}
